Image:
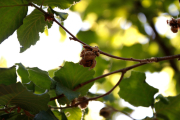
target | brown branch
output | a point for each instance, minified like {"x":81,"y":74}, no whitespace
{"x":164,"y":48}
{"x":94,"y":98}
{"x":146,"y":61}
{"x":42,"y":4}
{"x":14,"y":5}
{"x":45,"y":13}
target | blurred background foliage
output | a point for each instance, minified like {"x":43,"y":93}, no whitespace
{"x":130,"y":28}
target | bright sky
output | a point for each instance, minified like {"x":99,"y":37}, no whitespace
{"x":49,"y":53}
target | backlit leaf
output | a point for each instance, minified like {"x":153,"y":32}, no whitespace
{"x":136,"y":91}
{"x":28,"y":33}
{"x":73,"y":113}
{"x":11,"y":17}
{"x":57,"y":3}
{"x":170,"y":110}
{"x":17,"y":94}
{"x":40,"y":78}
{"x":8,"y":75}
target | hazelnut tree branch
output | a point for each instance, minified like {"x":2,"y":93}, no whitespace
{"x":146,"y":61}
{"x":94,"y":98}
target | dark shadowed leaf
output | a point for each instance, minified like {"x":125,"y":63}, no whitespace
{"x":169,"y":111}
{"x":136,"y":91}
{"x":45,"y":115}
{"x":57,"y":3}
{"x":11,"y":17}
{"x":28,"y":33}
{"x":17,"y":94}
{"x":40,"y":78}
{"x":70,"y":94}
{"x":73,"y":113}
{"x":60,"y":115}
{"x":23,"y":73}
{"x":71,"y":75}
{"x":8,"y":75}
{"x":30,"y":86}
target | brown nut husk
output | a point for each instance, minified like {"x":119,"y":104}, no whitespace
{"x":85,"y":63}
{"x":89,"y":55}
{"x":84,"y":103}
{"x":174,"y":29}
{"x":105,"y":112}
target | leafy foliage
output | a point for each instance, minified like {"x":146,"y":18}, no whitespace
{"x":17,"y":94}
{"x":71,"y":75}
{"x":11,"y":17}
{"x":170,"y":110}
{"x":40,"y":78}
{"x":22,"y":71}
{"x":28,"y":33}
{"x":73,"y":113}
{"x":136,"y":91}
{"x":8,"y":75}
{"x":57,"y":3}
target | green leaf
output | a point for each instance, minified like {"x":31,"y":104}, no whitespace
{"x":51,"y":72}
{"x":71,"y":75}
{"x":136,"y":91}
{"x":60,"y":89}
{"x":169,"y":111}
{"x":162,"y":98}
{"x":28,"y":33}
{"x":62,"y":15}
{"x":17,"y":94}
{"x":60,"y":115}
{"x":23,"y":73}
{"x":40,"y":78}
{"x":8,"y":75}
{"x":57,"y":3}
{"x":45,"y":115}
{"x":30,"y":86}
{"x":73,"y":113}
{"x":11,"y":17}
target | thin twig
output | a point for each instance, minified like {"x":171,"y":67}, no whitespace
{"x":45,"y":13}
{"x":74,"y":38}
{"x":42,"y":4}
{"x":94,"y":98}
{"x":146,"y":61}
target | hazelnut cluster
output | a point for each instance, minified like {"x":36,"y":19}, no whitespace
{"x":88,"y":56}
{"x":175,"y":24}
{"x":106,"y":112}
{"x":84,"y":102}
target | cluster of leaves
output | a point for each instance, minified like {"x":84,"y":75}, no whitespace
{"x":14,"y":17}
{"x":36,"y":88}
